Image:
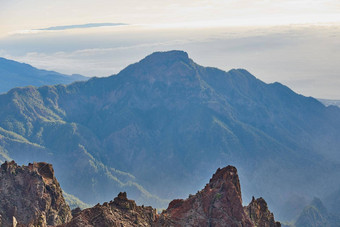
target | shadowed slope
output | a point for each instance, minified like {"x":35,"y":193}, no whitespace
{"x":132,"y":128}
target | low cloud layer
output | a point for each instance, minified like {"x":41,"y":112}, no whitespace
{"x":305,"y":58}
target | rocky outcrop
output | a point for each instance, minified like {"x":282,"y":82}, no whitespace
{"x":259,"y":214}
{"x":218,"y":204}
{"x":119,"y":212}
{"x":31,"y":196}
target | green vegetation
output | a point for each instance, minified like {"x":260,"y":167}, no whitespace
{"x":218,"y":196}
{"x":159,"y":128}
{"x":74,"y":202}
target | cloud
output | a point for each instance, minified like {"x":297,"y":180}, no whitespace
{"x":90,"y":25}
{"x":303,"y":57}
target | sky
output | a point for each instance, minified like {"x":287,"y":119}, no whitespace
{"x":295,"y":42}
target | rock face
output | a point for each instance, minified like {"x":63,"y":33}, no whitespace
{"x":259,"y":214}
{"x":119,"y":212}
{"x":218,"y":204}
{"x":31,"y":196}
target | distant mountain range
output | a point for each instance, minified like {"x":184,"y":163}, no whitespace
{"x":330,"y":102}
{"x":316,"y":215}
{"x":14,"y":74}
{"x":160,"y":128}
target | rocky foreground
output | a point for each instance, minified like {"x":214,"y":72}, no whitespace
{"x":31,"y":196}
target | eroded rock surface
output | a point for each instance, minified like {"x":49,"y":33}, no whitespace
{"x":218,"y":204}
{"x":119,"y":212}
{"x":31,"y":196}
{"x":260,"y":215}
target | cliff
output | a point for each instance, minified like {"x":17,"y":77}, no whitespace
{"x":31,"y":196}
{"x":259,"y":214}
{"x":218,"y":204}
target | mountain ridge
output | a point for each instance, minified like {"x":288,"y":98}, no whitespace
{"x":168,"y":111}
{"x":15,"y":74}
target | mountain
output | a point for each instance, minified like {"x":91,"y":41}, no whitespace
{"x":14,"y":74}
{"x":317,"y":215}
{"x":161,"y":126}
{"x":259,"y":213}
{"x":330,"y":102}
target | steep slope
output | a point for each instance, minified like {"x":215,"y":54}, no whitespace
{"x":129,"y":130}
{"x":14,"y":74}
{"x":31,"y":195}
{"x":259,"y":213}
{"x":218,"y":204}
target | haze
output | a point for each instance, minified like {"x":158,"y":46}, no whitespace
{"x":294,"y":42}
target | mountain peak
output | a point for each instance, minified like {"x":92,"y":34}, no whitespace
{"x":259,"y":214}
{"x":167,"y":57}
{"x":226,"y":174}
{"x":218,"y":204}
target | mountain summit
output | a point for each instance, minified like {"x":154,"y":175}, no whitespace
{"x":168,"y":57}
{"x":161,"y":126}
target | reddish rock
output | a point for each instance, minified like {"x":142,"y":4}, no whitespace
{"x":31,"y":196}
{"x":218,"y":204}
{"x":119,"y":212}
{"x":259,"y":214}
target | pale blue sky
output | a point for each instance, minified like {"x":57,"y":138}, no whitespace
{"x":21,"y":15}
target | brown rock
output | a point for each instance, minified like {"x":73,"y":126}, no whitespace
{"x":259,"y":214}
{"x":75,"y":211}
{"x":119,"y":212}
{"x":218,"y":204}
{"x":31,"y":196}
